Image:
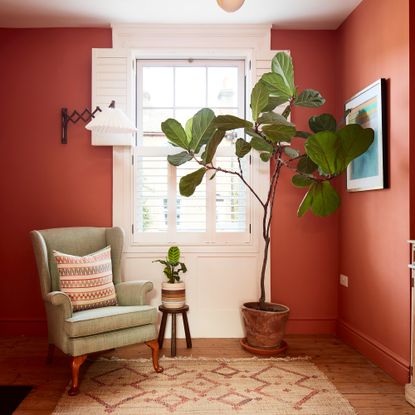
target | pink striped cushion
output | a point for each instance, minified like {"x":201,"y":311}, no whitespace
{"x":87,"y":280}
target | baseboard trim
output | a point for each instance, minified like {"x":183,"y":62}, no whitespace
{"x":25,"y":327}
{"x":389,"y":361}
{"x":311,"y":326}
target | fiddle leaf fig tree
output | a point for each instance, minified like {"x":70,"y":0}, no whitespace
{"x":327,"y":148}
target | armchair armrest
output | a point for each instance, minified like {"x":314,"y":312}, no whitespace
{"x":59,"y":298}
{"x":133,"y":292}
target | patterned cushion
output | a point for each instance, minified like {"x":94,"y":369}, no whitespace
{"x":87,"y":280}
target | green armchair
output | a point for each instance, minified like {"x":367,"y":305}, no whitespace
{"x":88,"y":331}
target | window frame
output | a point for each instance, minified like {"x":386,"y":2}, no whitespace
{"x":123,"y":172}
{"x":210,"y":236}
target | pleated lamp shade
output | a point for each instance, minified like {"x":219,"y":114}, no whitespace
{"x":111,"y":120}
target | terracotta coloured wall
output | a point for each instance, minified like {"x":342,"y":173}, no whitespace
{"x":374,"y":311}
{"x":304,"y":265}
{"x":43,"y":182}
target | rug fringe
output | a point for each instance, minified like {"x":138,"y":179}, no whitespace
{"x":217,"y":359}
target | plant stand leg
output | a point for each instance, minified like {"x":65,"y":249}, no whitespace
{"x":51,"y":352}
{"x":162,"y":329}
{"x":154,"y":346}
{"x":187,"y":330}
{"x":173,"y":335}
{"x":76,"y":364}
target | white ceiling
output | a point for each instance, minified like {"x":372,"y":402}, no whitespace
{"x":287,"y":14}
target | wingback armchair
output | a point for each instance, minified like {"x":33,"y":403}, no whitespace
{"x":80,"y":333}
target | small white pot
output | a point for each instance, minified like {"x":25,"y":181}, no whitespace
{"x":173,"y":295}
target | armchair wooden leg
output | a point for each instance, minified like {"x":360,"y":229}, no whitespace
{"x":51,"y":352}
{"x":76,"y":364}
{"x":154,"y":345}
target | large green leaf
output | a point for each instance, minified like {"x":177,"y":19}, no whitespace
{"x":302,"y":134}
{"x":326,"y":200}
{"x":173,"y":255}
{"x":354,"y":140}
{"x":274,"y":102}
{"x":323,"y":122}
{"x":251,"y":132}
{"x":292,"y":153}
{"x":242,"y":147}
{"x":179,"y":158}
{"x":310,"y":98}
{"x":265,"y":157}
{"x":279,"y":132}
{"x":305,"y":203}
{"x":282,"y":65}
{"x":306,"y":165}
{"x":323,"y":149}
{"x":298,"y":180}
{"x":175,"y":133}
{"x":202,"y":128}
{"x":188,"y":183}
{"x":230,"y":122}
{"x":212,"y":146}
{"x":188,"y":128}
{"x":276,"y":85}
{"x":259,"y":99}
{"x":260,"y":144}
{"x":332,"y":152}
{"x":273,"y":117}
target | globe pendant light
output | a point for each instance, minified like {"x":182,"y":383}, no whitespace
{"x":230,"y":5}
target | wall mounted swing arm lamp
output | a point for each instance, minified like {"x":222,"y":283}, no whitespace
{"x":110,"y":120}
{"x":85,"y":116}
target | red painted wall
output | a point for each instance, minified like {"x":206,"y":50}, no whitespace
{"x":43,"y":182}
{"x":374,"y":311}
{"x":304,"y":266}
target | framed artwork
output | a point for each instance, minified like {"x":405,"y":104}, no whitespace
{"x":368,"y":108}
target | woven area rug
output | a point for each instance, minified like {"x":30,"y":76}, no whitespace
{"x":205,"y":387}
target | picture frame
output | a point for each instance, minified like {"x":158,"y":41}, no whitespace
{"x":368,"y":108}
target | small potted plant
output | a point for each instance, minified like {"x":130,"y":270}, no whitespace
{"x":173,"y":292}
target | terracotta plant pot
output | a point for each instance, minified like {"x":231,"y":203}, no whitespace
{"x":265,"y":329}
{"x":173,"y":295}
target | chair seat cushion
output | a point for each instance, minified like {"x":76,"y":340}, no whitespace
{"x":106,"y":319}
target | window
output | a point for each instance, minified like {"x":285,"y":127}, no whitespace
{"x":219,"y":210}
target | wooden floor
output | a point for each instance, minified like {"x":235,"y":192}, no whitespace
{"x":366,"y":386}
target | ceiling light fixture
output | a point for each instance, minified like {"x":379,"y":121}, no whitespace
{"x":230,"y":5}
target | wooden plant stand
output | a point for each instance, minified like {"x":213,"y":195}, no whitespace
{"x":174,"y":311}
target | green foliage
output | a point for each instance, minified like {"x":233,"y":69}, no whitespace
{"x":173,"y":254}
{"x":309,"y":98}
{"x":230,"y":122}
{"x":179,"y":158}
{"x":282,"y":65}
{"x":202,"y":128}
{"x":299,"y":180}
{"x":333,"y":151}
{"x":322,"y":198}
{"x":260,"y":144}
{"x":188,"y":183}
{"x":328,"y":149}
{"x":242,"y":148}
{"x":323,"y":122}
{"x":291,"y":152}
{"x":175,"y":133}
{"x":172,"y":265}
{"x":259,"y":99}
{"x":276,"y":86}
{"x":212,"y":146}
{"x":279,"y":132}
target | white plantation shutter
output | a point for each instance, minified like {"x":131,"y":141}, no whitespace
{"x":113,"y":79}
{"x":231,"y":197}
